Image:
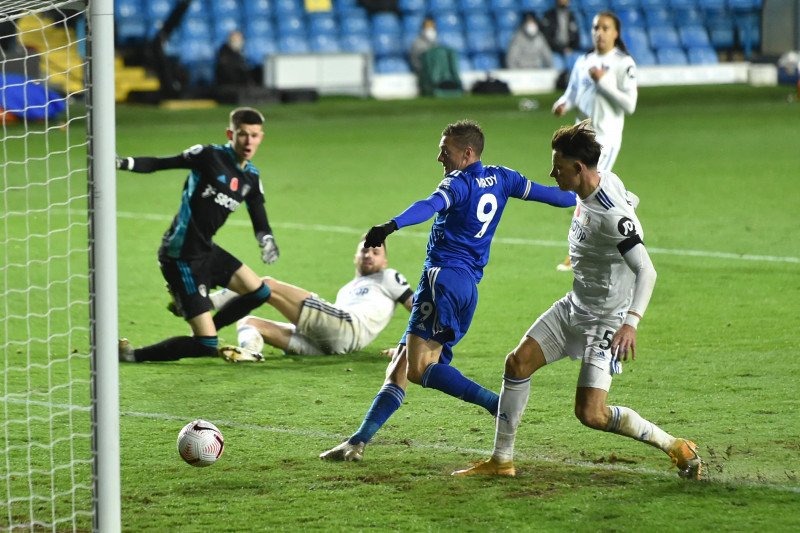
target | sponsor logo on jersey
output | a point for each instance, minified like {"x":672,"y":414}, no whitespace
{"x":445,"y":184}
{"x":220,"y":198}
{"x":420,"y":326}
{"x":488,"y":181}
{"x":361,"y":291}
{"x":626,"y":227}
{"x":577,"y":230}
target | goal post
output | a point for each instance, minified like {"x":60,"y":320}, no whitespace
{"x":59,"y":399}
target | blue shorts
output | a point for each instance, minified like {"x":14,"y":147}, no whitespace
{"x":444,"y":303}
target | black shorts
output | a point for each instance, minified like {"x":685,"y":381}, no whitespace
{"x":190,"y":281}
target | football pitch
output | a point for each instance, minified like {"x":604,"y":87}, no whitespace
{"x":718,"y":361}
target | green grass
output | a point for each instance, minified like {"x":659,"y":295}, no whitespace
{"x":715,"y":168}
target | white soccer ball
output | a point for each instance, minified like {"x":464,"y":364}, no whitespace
{"x":250,"y":339}
{"x":200,"y":443}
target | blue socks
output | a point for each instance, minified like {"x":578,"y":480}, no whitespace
{"x":449,"y":380}
{"x":386,"y":402}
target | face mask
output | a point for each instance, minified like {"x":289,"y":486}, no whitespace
{"x":429,"y":34}
{"x":531,"y":28}
{"x":236,"y":44}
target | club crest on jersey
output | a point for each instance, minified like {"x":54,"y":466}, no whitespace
{"x":234,"y":184}
{"x":202,"y":290}
{"x":626,"y":227}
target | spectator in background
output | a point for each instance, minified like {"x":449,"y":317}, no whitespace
{"x":529,"y":48}
{"x":232,"y":67}
{"x":560,"y":28}
{"x":424,"y":42}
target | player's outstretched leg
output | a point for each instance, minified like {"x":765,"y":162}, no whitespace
{"x":683,"y":452}
{"x":386,"y":402}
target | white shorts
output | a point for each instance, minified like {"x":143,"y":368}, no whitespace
{"x":323,"y":329}
{"x":608,"y":154}
{"x":565,"y":330}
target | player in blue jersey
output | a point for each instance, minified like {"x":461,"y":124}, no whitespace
{"x":468,"y":204}
{"x":221,"y":177}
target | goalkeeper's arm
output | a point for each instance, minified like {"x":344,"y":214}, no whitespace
{"x":152,"y":164}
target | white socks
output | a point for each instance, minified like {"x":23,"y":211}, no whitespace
{"x":626,"y":421}
{"x":513,"y":399}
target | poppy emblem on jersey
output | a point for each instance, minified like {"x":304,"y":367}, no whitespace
{"x":626,"y":227}
{"x":234,"y":184}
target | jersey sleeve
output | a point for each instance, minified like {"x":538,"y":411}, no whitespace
{"x":624,"y":231}
{"x":396,"y":286}
{"x":453,"y":189}
{"x":621,"y":89}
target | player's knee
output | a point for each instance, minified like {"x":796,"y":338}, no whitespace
{"x":591,"y":417}
{"x":519,"y":363}
{"x":248,"y":320}
{"x":414,"y":374}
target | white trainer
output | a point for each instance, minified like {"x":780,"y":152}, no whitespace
{"x":344,"y":452}
{"x":237,"y":354}
{"x":125,"y":351}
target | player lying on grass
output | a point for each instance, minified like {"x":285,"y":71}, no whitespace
{"x":595,"y":322}
{"x":221,"y":178}
{"x":363,"y":308}
{"x":468,"y":204}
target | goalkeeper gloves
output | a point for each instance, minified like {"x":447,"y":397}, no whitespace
{"x":124,"y":163}
{"x":377,"y":234}
{"x":269,"y":250}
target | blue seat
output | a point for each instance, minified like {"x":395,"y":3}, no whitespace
{"x":651,"y":4}
{"x":225,"y":8}
{"x":618,"y":5}
{"x":704,"y":55}
{"x":386,"y":23}
{"x":629,"y":17}
{"x":485,"y":61}
{"x":655,"y":16}
{"x":291,"y":24}
{"x":507,"y":19}
{"x":257,"y":8}
{"x":682,"y":3}
{"x":197,"y":8}
{"x":412,"y":22}
{"x":201,"y":72}
{"x":324,"y":43}
{"x":355,"y":42}
{"x":712,"y":6}
{"x":256,"y":49}
{"x":195,"y":28}
{"x":391,"y":65}
{"x":346,"y":6}
{"x":671,"y":56}
{"x":412,"y":6}
{"x":322,"y":23}
{"x":473,"y":6}
{"x":127,"y":9}
{"x":482,"y":42}
{"x":559,"y":63}
{"x":478,"y":22}
{"x":196,"y":50}
{"x":748,"y":32}
{"x":504,"y":37}
{"x":592,"y":7}
{"x":387,"y":44}
{"x":255,"y":27}
{"x":293,"y":44}
{"x":158,"y":9}
{"x":694,"y":36}
{"x":537,"y":6}
{"x":352,"y":24}
{"x":644,"y":57}
{"x":437,"y":6}
{"x":130,"y":30}
{"x":464,"y":64}
{"x":744,"y":6}
{"x":635,"y":38}
{"x":448,"y":21}
{"x":721,"y":33}
{"x":454,"y":40}
{"x":503,"y":5}
{"x":663,"y":37}
{"x":287,"y":7}
{"x":223,"y":26}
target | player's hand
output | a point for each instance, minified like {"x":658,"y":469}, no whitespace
{"x":269,"y":250}
{"x":559,"y":110}
{"x":124,"y":163}
{"x":622,"y":341}
{"x":389,"y":352}
{"x":377,"y":234}
{"x":596,"y":73}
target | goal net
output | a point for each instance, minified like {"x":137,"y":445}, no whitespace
{"x":47,"y":447}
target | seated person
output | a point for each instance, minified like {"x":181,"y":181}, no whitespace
{"x":362,"y":309}
{"x":529,"y":48}
{"x":424,"y":42}
{"x":232,"y":67}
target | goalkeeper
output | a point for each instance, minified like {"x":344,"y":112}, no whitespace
{"x":221,"y":177}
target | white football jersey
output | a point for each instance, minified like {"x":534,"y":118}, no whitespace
{"x":371,"y":300}
{"x":604,"y":101}
{"x":603,"y":228}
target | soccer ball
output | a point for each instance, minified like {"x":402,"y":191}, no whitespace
{"x":200,"y":443}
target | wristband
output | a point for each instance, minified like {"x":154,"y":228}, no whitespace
{"x":631,"y":320}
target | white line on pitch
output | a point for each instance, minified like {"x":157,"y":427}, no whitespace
{"x":502,"y":240}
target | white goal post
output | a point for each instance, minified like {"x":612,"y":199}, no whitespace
{"x":59,"y":393}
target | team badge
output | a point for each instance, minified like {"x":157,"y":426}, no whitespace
{"x":202,"y":290}
{"x":234,"y":184}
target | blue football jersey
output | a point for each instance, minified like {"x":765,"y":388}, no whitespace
{"x":475,"y":198}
